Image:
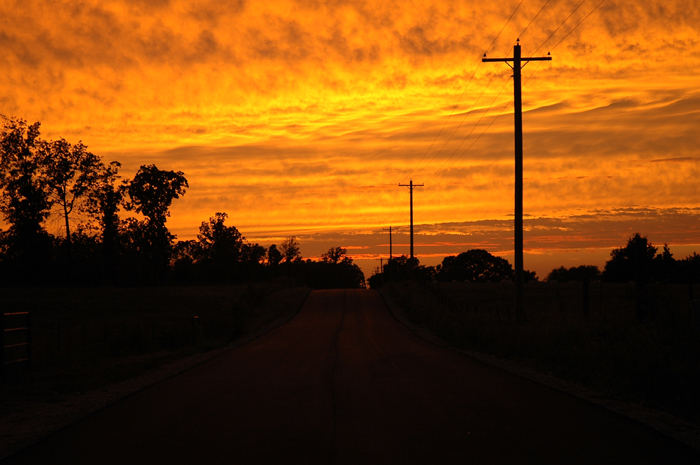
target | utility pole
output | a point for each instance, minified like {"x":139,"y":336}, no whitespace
{"x":390,"y":248}
{"x":517,"y":66}
{"x":410,"y":186}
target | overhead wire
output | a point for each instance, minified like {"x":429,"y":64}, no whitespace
{"x":431,"y":156}
{"x":579,"y":23}
{"x":522,"y":33}
{"x":457,"y":150}
{"x":551,"y":34}
{"x":475,"y":140}
{"x":504,"y":26}
{"x":429,"y":151}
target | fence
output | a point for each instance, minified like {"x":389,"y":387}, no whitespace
{"x":15,"y":344}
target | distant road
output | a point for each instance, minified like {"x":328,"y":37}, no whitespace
{"x":343,"y":382}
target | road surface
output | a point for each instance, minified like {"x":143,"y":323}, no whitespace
{"x":345,"y":383}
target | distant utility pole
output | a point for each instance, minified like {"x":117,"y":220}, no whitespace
{"x":517,"y":60}
{"x":410,"y":186}
{"x":390,"y":249}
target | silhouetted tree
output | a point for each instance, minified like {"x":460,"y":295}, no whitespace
{"x":336,"y":255}
{"x":274,"y":256}
{"x":218,"y":242}
{"x":688,"y":271}
{"x":187,"y":251}
{"x":529,"y":276}
{"x":86,"y":257}
{"x":103,"y":200}
{"x":634,"y":262}
{"x":184,"y":255}
{"x":575,"y":273}
{"x":665,"y":267}
{"x":25,"y":201}
{"x":253,"y":254}
{"x":69,"y":171}
{"x":403,"y":268}
{"x":151,"y":193}
{"x":327,"y":275}
{"x":476,"y":265}
{"x":290,"y":250}
{"x":376,"y":280}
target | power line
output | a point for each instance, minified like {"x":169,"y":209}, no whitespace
{"x":445,"y":141}
{"x":471,"y":78}
{"x":504,"y":26}
{"x":515,"y":10}
{"x":560,"y":25}
{"x":578,"y":24}
{"x":488,"y":126}
{"x":522,"y":33}
{"x":485,"y":113}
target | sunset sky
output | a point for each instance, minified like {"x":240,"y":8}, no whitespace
{"x":301,"y":118}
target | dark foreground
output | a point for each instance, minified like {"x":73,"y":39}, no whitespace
{"x":345,"y":383}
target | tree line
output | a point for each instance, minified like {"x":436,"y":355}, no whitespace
{"x":639,"y":261}
{"x":38,"y":176}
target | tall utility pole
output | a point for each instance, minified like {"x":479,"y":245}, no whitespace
{"x":391,"y":255}
{"x":410,"y":186}
{"x":518,"y":60}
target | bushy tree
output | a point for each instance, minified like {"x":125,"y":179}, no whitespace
{"x":253,"y":254}
{"x":688,"y":271}
{"x":336,"y":255}
{"x":634,"y":262}
{"x":475,"y":265}
{"x":184,"y":256}
{"x":665,"y":267}
{"x":25,"y":202}
{"x":151,"y":193}
{"x":274,"y":256}
{"x":403,"y":268}
{"x":218,"y":242}
{"x":70,"y":171}
{"x":103,"y":200}
{"x":290,"y":250}
{"x":575,"y":273}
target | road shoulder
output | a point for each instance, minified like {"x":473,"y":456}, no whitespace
{"x":33,"y":421}
{"x":666,"y":424}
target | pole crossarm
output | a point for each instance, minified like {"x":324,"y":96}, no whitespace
{"x":489,"y":60}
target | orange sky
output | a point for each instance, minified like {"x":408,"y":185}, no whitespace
{"x":302,"y":117}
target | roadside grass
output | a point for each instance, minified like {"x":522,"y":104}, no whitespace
{"x":654,"y":362}
{"x":84,"y":338}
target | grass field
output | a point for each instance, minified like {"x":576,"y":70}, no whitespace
{"x":597,"y":340}
{"x":83,"y":338}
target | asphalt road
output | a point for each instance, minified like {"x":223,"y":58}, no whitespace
{"x":344,"y":382}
